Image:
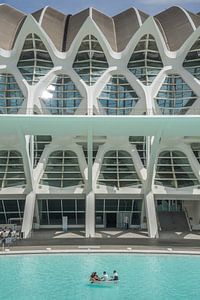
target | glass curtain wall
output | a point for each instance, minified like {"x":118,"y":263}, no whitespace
{"x":34,"y":61}
{"x":11,"y":169}
{"x":118,"y":170}
{"x":51,"y":211}
{"x":196,"y":150}
{"x":62,"y":170}
{"x":90,"y":61}
{"x":175,"y":96}
{"x":121,"y":208}
{"x":61,"y":97}
{"x":141,"y":145}
{"x":40,"y":142}
{"x":173,"y":170}
{"x":145,"y":62}
{"x":192,"y":60}
{"x":10,"y":209}
{"x":11,"y":97}
{"x":118,"y":97}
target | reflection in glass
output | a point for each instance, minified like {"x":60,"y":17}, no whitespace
{"x":174,"y":170}
{"x":123,"y":174}
{"x":34,"y":61}
{"x":175,"y":96}
{"x":11,"y":97}
{"x":62,"y":170}
{"x":145,"y":62}
{"x":192,"y":60}
{"x":90,"y":62}
{"x":61,"y":97}
{"x":118,"y":97}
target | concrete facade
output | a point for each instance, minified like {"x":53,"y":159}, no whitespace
{"x":98,"y":123}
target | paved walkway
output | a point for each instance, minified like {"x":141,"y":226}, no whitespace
{"x":109,"y":240}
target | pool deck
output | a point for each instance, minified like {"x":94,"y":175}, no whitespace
{"x":106,"y":241}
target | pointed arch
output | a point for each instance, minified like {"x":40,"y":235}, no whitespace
{"x":34,"y":61}
{"x":90,"y":61}
{"x":145,"y":62}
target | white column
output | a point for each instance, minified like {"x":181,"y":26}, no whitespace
{"x":148,"y":194}
{"x":151,"y":215}
{"x":28,"y":215}
{"x":90,"y":197}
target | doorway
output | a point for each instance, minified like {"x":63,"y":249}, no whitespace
{"x":111,"y":220}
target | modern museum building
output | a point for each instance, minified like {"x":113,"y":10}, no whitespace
{"x":100,"y":120}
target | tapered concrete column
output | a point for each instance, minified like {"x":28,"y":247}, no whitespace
{"x":28,"y":215}
{"x":90,"y":197}
{"x":151,"y":215}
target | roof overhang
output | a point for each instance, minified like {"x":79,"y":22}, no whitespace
{"x":166,"y":126}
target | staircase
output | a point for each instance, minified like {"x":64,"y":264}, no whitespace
{"x":173,"y":221}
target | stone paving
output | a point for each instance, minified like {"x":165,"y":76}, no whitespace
{"x":107,"y":240}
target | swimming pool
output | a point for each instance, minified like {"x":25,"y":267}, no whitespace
{"x":66,"y":277}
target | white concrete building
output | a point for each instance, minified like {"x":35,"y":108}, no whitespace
{"x":100,"y":120}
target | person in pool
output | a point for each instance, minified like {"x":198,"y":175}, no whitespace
{"x":94,"y":277}
{"x":104,"y":277}
{"x":115,"y":276}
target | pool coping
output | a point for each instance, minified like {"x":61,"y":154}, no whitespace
{"x":90,"y":250}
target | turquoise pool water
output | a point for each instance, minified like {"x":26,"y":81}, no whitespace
{"x":60,"y":277}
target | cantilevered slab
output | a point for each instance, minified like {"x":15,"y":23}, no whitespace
{"x":11,"y":21}
{"x":175,"y":25}
{"x":169,"y":126}
{"x":126,"y":25}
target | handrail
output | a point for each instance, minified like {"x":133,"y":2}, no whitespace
{"x":188,"y":219}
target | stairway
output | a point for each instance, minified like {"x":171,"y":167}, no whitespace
{"x":173,"y":221}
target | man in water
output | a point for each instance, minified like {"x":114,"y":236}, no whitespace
{"x":105,"y":276}
{"x":115,"y":275}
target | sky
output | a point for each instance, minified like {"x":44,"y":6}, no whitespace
{"x":109,"y":7}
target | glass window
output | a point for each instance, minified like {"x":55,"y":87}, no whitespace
{"x":99,"y":218}
{"x":118,"y":170}
{"x":62,"y":170}
{"x":175,"y":96}
{"x":54,"y":205}
{"x":141,"y":146}
{"x":11,"y":97}
{"x":34,"y":61}
{"x":68,"y":205}
{"x":90,"y":61}
{"x":11,"y":169}
{"x":40,"y":142}
{"x":192,"y":60}
{"x":118,"y":97}
{"x":125,"y":205}
{"x":136,"y":219}
{"x":80,"y":205}
{"x":167,"y":173}
{"x":145,"y":62}
{"x":10,"y":205}
{"x":111,"y":205}
{"x":61,"y":97}
{"x":55,"y":218}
